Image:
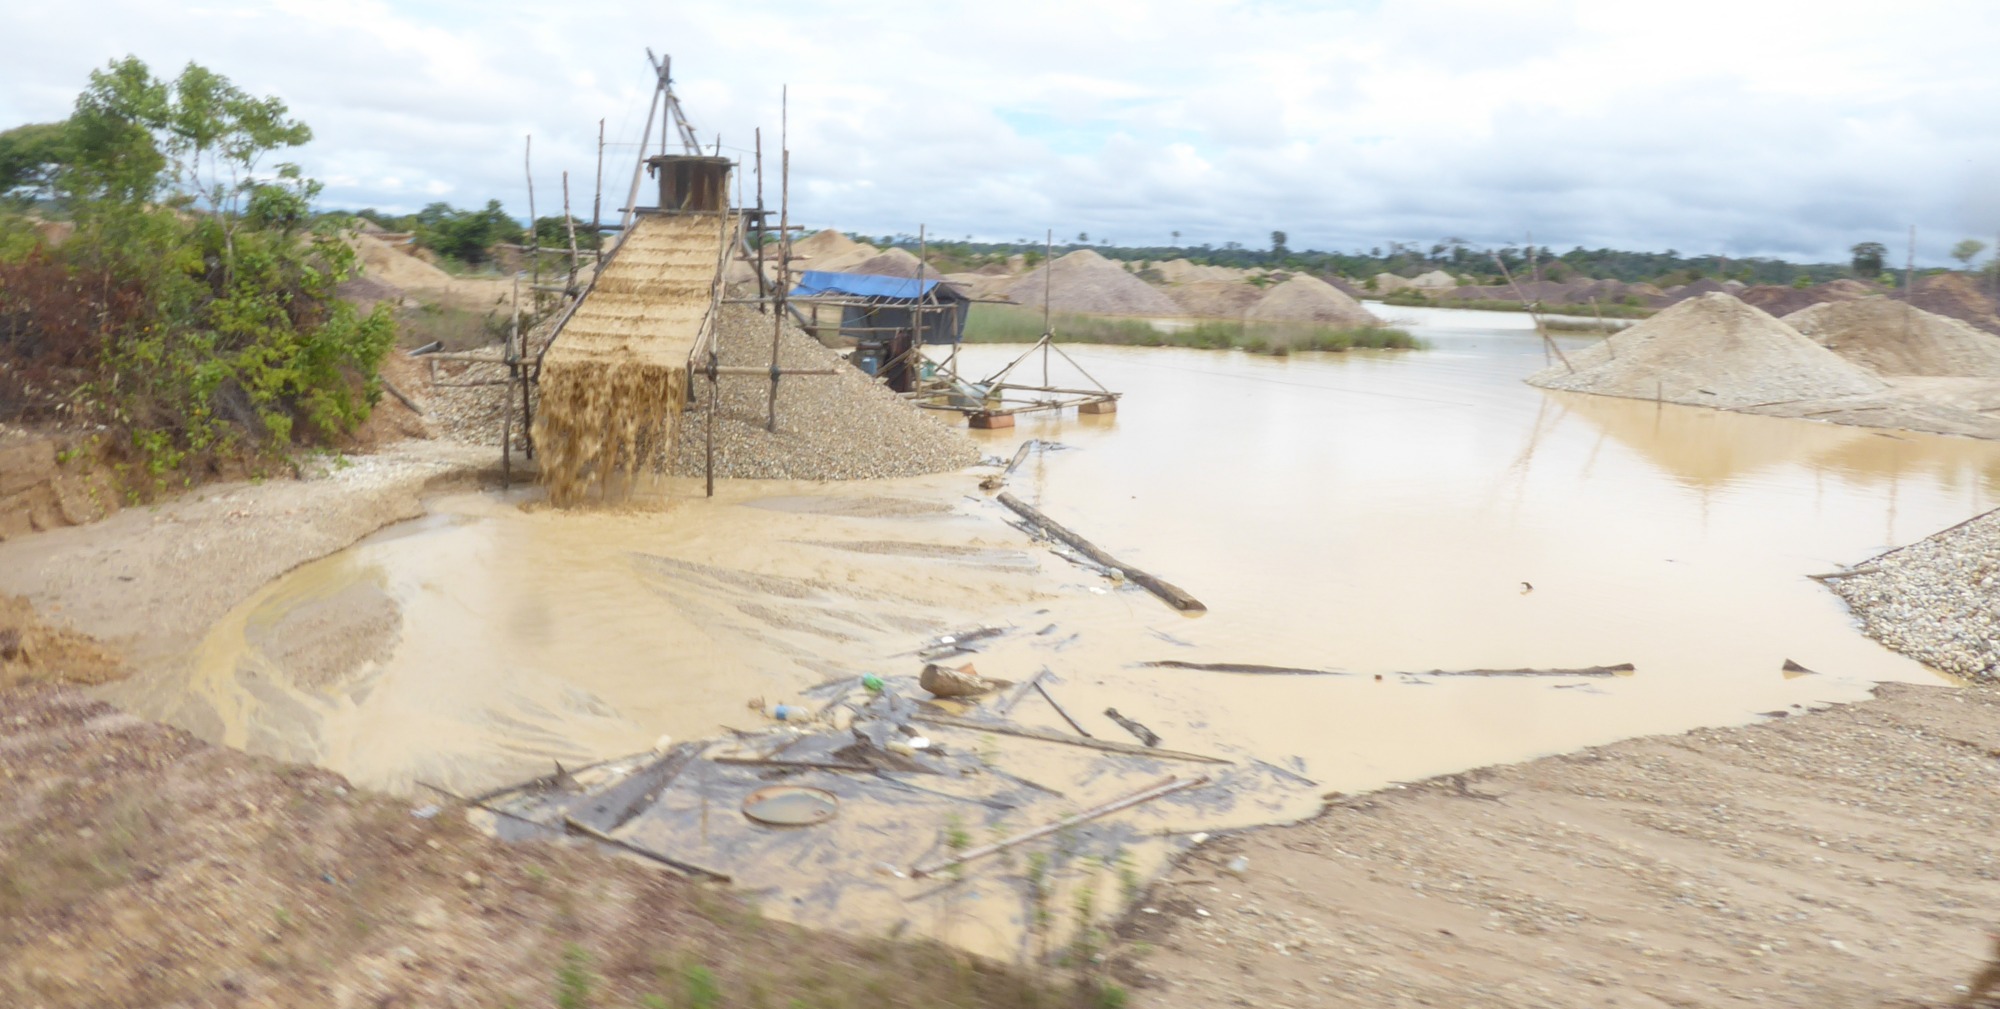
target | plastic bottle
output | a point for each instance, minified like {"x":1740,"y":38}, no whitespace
{"x":871,"y":683}
{"x":789,"y":713}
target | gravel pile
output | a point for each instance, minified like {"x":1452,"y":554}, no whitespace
{"x":1713,"y":351}
{"x":830,"y":427}
{"x":1937,"y":600}
{"x":1310,"y":299}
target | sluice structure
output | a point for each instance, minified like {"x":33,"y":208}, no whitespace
{"x":614,"y":383}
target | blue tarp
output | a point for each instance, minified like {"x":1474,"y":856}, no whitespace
{"x":860,"y":285}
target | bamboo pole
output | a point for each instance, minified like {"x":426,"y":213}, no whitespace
{"x":1548,"y":343}
{"x":1048,"y":736}
{"x":570,"y":224}
{"x":534,"y":233}
{"x":597,"y":199}
{"x":1174,"y":595}
{"x":761,"y":307}
{"x":1164,"y":787}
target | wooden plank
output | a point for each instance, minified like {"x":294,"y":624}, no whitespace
{"x":1173,"y":594}
{"x":1046,"y":736}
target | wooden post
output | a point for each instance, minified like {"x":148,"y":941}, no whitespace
{"x":534,"y":236}
{"x":597,"y":201}
{"x":760,"y":218}
{"x":1547,"y":343}
{"x":569,"y":288}
{"x":784,"y":245}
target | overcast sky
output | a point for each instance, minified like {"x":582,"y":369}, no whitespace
{"x":1744,"y":127}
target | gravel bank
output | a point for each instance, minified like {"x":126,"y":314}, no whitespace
{"x":1936,"y":600}
{"x":830,"y":427}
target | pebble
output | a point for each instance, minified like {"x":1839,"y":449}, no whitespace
{"x":1937,"y":600}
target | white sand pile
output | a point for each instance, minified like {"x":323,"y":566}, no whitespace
{"x":1087,"y":283}
{"x":1388,"y":283}
{"x":1436,"y":280}
{"x":830,"y":427}
{"x":1895,"y":338}
{"x":1714,"y":351}
{"x":1310,"y":299}
{"x":1180,"y":271}
{"x":1213,"y":299}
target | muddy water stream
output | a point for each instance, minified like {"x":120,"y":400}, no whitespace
{"x":1369,"y":513}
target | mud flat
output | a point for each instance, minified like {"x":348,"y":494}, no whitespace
{"x":1843,"y":858}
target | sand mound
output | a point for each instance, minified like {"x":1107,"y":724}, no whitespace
{"x":1893,"y":338}
{"x":1087,"y":283}
{"x":1389,"y":283}
{"x":1956,"y":296}
{"x":393,"y":272}
{"x":1181,"y":271}
{"x":1310,"y":299}
{"x":1436,"y":280}
{"x":891,"y":263}
{"x":831,"y":251}
{"x":1783,"y":301}
{"x":830,"y":427}
{"x":980,"y":286}
{"x":1712,"y":350}
{"x":1227,"y":299}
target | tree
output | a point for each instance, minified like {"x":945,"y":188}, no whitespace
{"x":1278,"y":250}
{"x":1868,"y":258}
{"x":1964,"y":251}
{"x":1083,"y":238}
{"x":466,"y":235}
{"x":30,"y":157}
{"x":1177,"y":239}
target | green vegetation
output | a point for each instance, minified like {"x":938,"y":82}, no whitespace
{"x":1610,"y":309}
{"x":1013,"y":324}
{"x":1868,"y":259}
{"x":192,"y":310}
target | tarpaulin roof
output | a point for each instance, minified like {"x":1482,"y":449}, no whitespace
{"x":861,"y":285}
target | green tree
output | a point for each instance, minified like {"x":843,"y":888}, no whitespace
{"x":1868,"y":258}
{"x":466,"y":235}
{"x":1965,"y":252}
{"x":30,"y":157}
{"x":1278,"y":250}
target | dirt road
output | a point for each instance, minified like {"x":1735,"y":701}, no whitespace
{"x":1842,"y":858}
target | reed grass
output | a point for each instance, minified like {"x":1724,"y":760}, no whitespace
{"x":1010,"y":324}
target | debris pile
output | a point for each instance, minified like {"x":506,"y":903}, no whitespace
{"x":1713,"y":351}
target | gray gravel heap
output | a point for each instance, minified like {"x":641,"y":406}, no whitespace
{"x":1937,"y":600}
{"x":830,"y":427}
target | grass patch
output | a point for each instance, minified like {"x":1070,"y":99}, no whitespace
{"x":460,"y":329}
{"x":1012,"y":324}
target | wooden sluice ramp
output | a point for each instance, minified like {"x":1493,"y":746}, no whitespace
{"x":615,"y":379}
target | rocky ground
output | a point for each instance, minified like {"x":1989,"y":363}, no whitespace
{"x":1841,"y":858}
{"x":1936,"y":600}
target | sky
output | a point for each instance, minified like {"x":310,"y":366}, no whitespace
{"x":1744,"y":128}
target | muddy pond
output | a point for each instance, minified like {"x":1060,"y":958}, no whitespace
{"x":1379,"y":515}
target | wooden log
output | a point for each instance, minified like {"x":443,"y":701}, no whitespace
{"x":1046,"y":736}
{"x":1046,"y":696}
{"x":686,"y":868}
{"x":391,"y":389}
{"x":1140,"y":732}
{"x":1245,"y":667}
{"x":1021,"y":691}
{"x":1173,"y":595}
{"x":1620,"y":669}
{"x":1165,"y":787}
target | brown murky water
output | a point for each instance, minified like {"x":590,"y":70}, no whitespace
{"x":1374,"y":513}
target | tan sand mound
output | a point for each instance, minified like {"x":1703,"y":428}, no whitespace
{"x":1181,"y":271}
{"x":830,"y":251}
{"x":1783,"y":300}
{"x":1436,"y":280}
{"x":1715,"y":351}
{"x":891,"y":263}
{"x":1213,"y":299}
{"x":386,"y":264}
{"x":1310,"y":299}
{"x":1087,"y":283}
{"x":1957,"y":296}
{"x":1893,"y":338}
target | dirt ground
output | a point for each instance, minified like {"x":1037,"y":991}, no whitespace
{"x":1846,"y":857}
{"x":142,"y":867}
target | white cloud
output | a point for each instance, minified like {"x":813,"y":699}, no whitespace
{"x":1745,"y":127}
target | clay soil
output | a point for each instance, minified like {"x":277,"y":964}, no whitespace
{"x":1846,"y":857}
